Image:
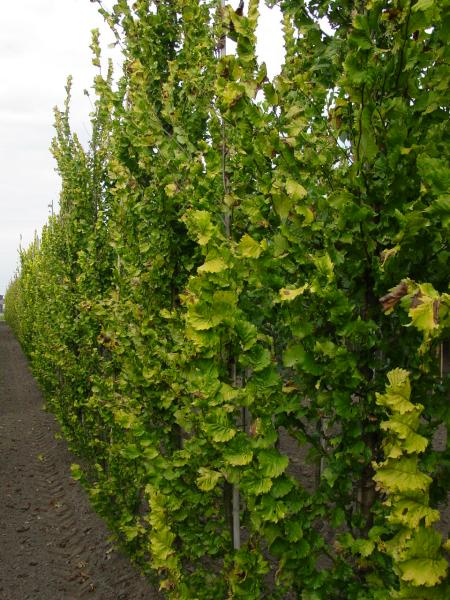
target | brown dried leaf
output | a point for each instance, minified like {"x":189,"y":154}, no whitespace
{"x":416,"y":299}
{"x":436,"y":305}
{"x":394,"y":296}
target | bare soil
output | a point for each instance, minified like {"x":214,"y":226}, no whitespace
{"x":52,"y":545}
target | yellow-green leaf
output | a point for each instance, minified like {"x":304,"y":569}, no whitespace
{"x":423,"y":571}
{"x":409,"y":512}
{"x":423,"y":5}
{"x":283,"y":205}
{"x":248,"y":247}
{"x":170,"y":189}
{"x":215,"y":265}
{"x":412,"y":441}
{"x":208,"y":479}
{"x":295,"y":190}
{"x":401,"y":475}
{"x":287,"y":295}
{"x":200,"y":225}
{"x":243,"y":457}
{"x":423,"y":316}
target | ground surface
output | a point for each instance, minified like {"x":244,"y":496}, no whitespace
{"x":52,"y":545}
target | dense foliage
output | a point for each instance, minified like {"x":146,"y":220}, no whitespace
{"x":210,"y":291}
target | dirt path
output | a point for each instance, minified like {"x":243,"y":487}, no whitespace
{"x":52,"y":545}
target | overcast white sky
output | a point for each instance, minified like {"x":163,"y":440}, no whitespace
{"x":41,"y":43}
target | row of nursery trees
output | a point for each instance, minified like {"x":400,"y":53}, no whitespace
{"x":239,"y":260}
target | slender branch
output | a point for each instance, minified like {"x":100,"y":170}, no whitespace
{"x":360,"y":122}
{"x":402,"y":51}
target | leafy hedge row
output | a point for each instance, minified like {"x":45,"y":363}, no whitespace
{"x":212,"y":283}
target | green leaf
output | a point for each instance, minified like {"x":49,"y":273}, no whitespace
{"x":149,"y":373}
{"x":171,"y":189}
{"x":326,"y":347}
{"x":200,"y":225}
{"x":272,"y":510}
{"x":423,"y":5}
{"x":280,"y":245}
{"x":293,"y":355}
{"x":161,"y":545}
{"x":131,"y":451}
{"x":208,"y":479}
{"x":363,"y":547}
{"x":440,"y":208}
{"x":125,"y":419}
{"x":283,"y":205}
{"x":296,"y":356}
{"x":338,"y":517}
{"x":272,"y":463}
{"x":238,"y":456}
{"x":330,"y":476}
{"x":307,"y":595}
{"x":232,"y":93}
{"x":202,"y":316}
{"x":131,"y":531}
{"x":324,"y":265}
{"x":247,"y":334}
{"x":257,"y":486}
{"x":220,"y":432}
{"x":224,"y":302}
{"x":307,"y":214}
{"x":150,"y":453}
{"x":76,"y":471}
{"x":368,"y":143}
{"x":434,"y":171}
{"x":228,"y":392}
{"x":424,"y":542}
{"x":258,"y":358}
{"x":281,"y":486}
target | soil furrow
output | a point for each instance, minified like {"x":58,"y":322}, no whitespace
{"x":52,"y":545}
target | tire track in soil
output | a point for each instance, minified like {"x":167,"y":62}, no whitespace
{"x":52,"y":545}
